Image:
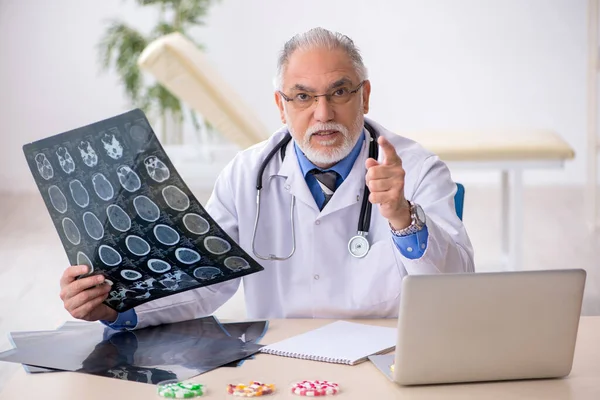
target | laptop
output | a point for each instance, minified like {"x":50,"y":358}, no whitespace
{"x":490,"y":326}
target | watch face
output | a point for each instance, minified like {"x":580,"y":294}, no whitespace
{"x":420,"y":214}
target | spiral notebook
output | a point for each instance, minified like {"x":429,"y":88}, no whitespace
{"x":340,"y":342}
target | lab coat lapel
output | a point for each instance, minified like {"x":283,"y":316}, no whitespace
{"x":295,"y":182}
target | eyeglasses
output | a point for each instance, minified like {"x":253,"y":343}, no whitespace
{"x":337,"y":96}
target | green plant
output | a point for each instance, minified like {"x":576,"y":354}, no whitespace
{"x":121,"y":46}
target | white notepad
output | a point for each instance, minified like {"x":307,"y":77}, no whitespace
{"x":339,"y":342}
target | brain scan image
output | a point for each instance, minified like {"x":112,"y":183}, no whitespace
{"x":120,"y":207}
{"x":58,"y":199}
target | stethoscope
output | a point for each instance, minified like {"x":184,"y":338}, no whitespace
{"x":358,"y":245}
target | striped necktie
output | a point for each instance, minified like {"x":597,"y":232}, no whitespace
{"x":327,"y":182}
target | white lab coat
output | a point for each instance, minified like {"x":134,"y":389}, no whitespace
{"x":322,"y":279}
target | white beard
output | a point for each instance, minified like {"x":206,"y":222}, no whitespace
{"x":332,"y":154}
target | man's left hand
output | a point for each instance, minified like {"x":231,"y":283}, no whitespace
{"x":385,"y":180}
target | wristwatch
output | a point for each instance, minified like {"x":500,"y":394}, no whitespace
{"x":417,"y":215}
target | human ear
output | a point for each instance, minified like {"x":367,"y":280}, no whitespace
{"x":366,"y":94}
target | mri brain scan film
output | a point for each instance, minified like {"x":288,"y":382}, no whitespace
{"x":120,"y":207}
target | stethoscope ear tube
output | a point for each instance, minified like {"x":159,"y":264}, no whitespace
{"x":364,"y":220}
{"x":261,"y":170}
{"x":358,"y":245}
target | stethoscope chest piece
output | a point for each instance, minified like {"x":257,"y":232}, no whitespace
{"x":358,"y":245}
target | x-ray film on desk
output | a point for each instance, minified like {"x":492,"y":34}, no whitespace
{"x":120,"y":207}
{"x":152,"y":354}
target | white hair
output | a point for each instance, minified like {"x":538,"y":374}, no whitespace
{"x":319,"y":38}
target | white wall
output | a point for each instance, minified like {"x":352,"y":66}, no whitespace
{"x":434,"y":64}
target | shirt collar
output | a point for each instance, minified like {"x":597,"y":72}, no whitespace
{"x":343,"y":167}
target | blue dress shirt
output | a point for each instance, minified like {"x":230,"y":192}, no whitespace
{"x":125,"y":320}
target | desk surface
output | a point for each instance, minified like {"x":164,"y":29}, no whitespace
{"x":362,"y":381}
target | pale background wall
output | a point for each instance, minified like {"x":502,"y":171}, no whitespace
{"x":434,"y":64}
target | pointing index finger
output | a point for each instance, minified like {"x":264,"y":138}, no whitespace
{"x":389,"y":152}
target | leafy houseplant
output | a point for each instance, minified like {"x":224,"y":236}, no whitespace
{"x":122,"y":45}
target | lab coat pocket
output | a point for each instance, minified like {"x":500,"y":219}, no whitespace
{"x":376,"y":278}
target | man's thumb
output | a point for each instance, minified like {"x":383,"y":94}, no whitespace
{"x":371,"y":163}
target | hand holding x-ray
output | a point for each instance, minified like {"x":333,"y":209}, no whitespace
{"x":83,"y":298}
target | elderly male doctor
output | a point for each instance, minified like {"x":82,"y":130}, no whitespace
{"x":322,"y":95}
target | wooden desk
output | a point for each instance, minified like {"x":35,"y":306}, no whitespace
{"x":362,"y":381}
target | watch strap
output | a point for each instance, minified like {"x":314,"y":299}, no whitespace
{"x":415,"y":225}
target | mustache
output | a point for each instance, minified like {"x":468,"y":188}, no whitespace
{"x":326,"y":126}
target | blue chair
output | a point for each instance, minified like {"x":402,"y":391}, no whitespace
{"x":459,"y":200}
